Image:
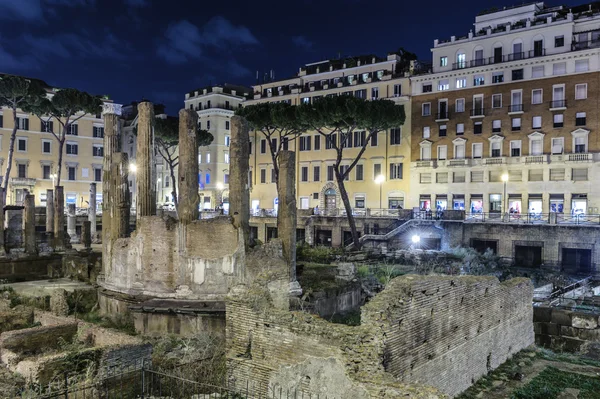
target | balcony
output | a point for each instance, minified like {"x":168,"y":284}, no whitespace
{"x":580,"y":157}
{"x":498,"y":59}
{"x":22,"y":181}
{"x":515,"y":109}
{"x":558,"y":105}
{"x":477,"y":112}
{"x":494,"y":161}
{"x":535,"y":159}
{"x":585,"y":45}
{"x":457,"y":162}
{"x":424,"y":164}
{"x":442,"y":116}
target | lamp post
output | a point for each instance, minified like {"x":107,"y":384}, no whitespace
{"x":379,"y":180}
{"x":505,"y":180}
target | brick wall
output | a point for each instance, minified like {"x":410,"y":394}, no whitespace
{"x":449,"y":331}
{"x":564,"y":330}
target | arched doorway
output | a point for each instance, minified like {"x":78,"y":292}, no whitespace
{"x":330,"y":199}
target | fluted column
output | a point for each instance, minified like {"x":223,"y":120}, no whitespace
{"x":92,"y":210}
{"x":286,"y":211}
{"x":72,"y":224}
{"x":49,"y":211}
{"x":59,"y":218}
{"x":145,"y":185}
{"x":122,"y":197}
{"x":112,"y":126}
{"x":239,"y":189}
{"x":2,"y":250}
{"x":29,"y":225}
{"x":188,"y":166}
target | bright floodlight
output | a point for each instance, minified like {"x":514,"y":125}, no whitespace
{"x":220,"y":186}
{"x":380,"y":179}
{"x":132,"y":168}
{"x":505,"y":177}
{"x":416,"y":239}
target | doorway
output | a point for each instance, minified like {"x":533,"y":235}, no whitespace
{"x":528,"y":256}
{"x":577,"y":259}
{"x":330,"y":199}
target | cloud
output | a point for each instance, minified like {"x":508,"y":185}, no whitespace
{"x":10,"y":62}
{"x":137,"y":3}
{"x":302,"y":42}
{"x":31,"y":10}
{"x":184,"y":41}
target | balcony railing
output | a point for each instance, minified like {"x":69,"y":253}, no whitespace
{"x":585,"y":45}
{"x":558,"y":104}
{"x":478,"y":112}
{"x":581,"y":157}
{"x":442,"y":115}
{"x":515,"y":108}
{"x":505,"y":58}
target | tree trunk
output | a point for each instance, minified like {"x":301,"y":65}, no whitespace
{"x":11,"y":151}
{"x":61,"y":144}
{"x":348,"y":207}
{"x":173,"y":182}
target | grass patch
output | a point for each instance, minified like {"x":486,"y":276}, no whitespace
{"x":350,"y":318}
{"x":318,"y":254}
{"x":318,"y":277}
{"x":123,"y":323}
{"x":566,"y":358}
{"x":551,"y":382}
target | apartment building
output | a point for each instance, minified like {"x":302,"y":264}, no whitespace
{"x":387,"y":156}
{"x":35,"y":158}
{"x":215,"y":106}
{"x":508,"y":119}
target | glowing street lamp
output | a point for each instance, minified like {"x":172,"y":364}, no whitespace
{"x":132,"y":168}
{"x":505,"y":180}
{"x":416,"y":239}
{"x":379,"y":180}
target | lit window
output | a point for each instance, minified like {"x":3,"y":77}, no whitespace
{"x":443,"y":61}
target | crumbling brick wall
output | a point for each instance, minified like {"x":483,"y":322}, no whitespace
{"x":448,"y":331}
{"x":565,"y":330}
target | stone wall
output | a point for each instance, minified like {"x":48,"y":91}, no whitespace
{"x":564,"y":330}
{"x":449,"y":331}
{"x":37,"y":339}
{"x":31,"y":268}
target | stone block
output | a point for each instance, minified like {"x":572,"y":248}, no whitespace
{"x":566,"y":344}
{"x":542,"y":314}
{"x":568,"y":331}
{"x":546,"y":328}
{"x":37,"y":339}
{"x":562,"y":317}
{"x":543,"y":340}
{"x":346,"y":271}
{"x":588,"y":322}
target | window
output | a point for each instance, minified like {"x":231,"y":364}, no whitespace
{"x":329,"y":172}
{"x":458,"y":177}
{"x":226,"y":125}
{"x":263,"y":176}
{"x":515,"y":148}
{"x":305,"y":100}
{"x":426,"y":109}
{"x":537,"y":146}
{"x":559,"y":41}
{"x":346,"y":139}
{"x":207,"y":178}
{"x":580,"y":119}
{"x":330,"y":141}
{"x":517,"y":74}
{"x":426,"y":132}
{"x":581,"y":91}
{"x":359,"y":172}
{"x":477,"y":150}
{"x":443,"y":61}
{"x":442,"y":152}
{"x":227,"y":141}
{"x":441,"y":177}
{"x":516,"y":124}
{"x":21,"y":144}
{"x":478,"y":80}
{"x":536,"y":123}
{"x":73,"y":129}
{"x":395,"y":136}
{"x":582,"y":65}
{"x":495,"y":176}
{"x":536,"y":96}
{"x":46,"y":172}
{"x":22,"y":170}
{"x":459,"y":150}
{"x":477,"y":176}
{"x":274,"y":144}
{"x":207,"y":125}
{"x":537,"y":71}
{"x":1,"y":119}
{"x":273,"y":177}
{"x":558,"y":120}
{"x":580,"y":174}
{"x":496,"y":149}
{"x":497,"y":101}
{"x":536,"y":175}
{"x":72,"y":173}
{"x":497,"y":126}
{"x":498,"y":77}
{"x":376,"y":170}
{"x":374,"y":93}
{"x":558,"y":145}
{"x":98,"y":176}
{"x":443,"y":130}
{"x":557,"y":174}
{"x":426,"y":152}
{"x":397,"y":90}
{"x":98,"y":132}
{"x":580,"y":144}
{"x":304,"y":174}
{"x":461,"y":60}
{"x":22,"y":123}
{"x":227,"y":105}
{"x":374,"y":139}
{"x":48,"y":126}
{"x":444,"y":84}
{"x":226,"y":157}
{"x":72,"y":148}
{"x":317,"y":143}
{"x":208,"y":157}
{"x":427,"y":87}
{"x":461,"y":83}
{"x":167,"y":182}
{"x":361,"y":94}
{"x":360,"y":138}
{"x":478,"y":127}
{"x":305,"y":143}
{"x":516,"y":101}
{"x":460,"y":129}
{"x":98,"y":151}
{"x":559,"y":68}
{"x":46,"y":147}
{"x":316,"y":173}
{"x":263,"y":146}
{"x":425,"y":178}
{"x":460,"y":105}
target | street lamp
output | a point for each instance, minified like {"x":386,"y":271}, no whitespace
{"x":379,"y":180}
{"x":132,"y":168}
{"x":505,"y":180}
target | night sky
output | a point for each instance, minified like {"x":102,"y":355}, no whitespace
{"x":161,"y":49}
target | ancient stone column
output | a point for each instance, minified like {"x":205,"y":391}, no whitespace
{"x":92,"y":209}
{"x":59,"y":218}
{"x":145,"y":184}
{"x":29,"y":241}
{"x":239,"y":193}
{"x":286,"y":213}
{"x":72,"y":223}
{"x":112,"y":126}
{"x":49,"y":211}
{"x":122,"y":197}
{"x":86,"y":234}
{"x":188,"y":167}
{"x":2,"y":250}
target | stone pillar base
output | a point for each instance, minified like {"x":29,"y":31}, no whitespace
{"x":295,"y":289}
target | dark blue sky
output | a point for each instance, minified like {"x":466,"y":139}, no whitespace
{"x":160,"y":49}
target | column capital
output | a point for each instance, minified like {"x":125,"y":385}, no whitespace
{"x":111,"y":108}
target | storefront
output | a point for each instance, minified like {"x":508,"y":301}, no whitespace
{"x":535,"y":204}
{"x":476,"y":203}
{"x":557,"y":203}
{"x":458,"y":202}
{"x":578,"y":204}
{"x":495,"y":203}
{"x":515,"y":203}
{"x":425,"y":202}
{"x":441,"y":202}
